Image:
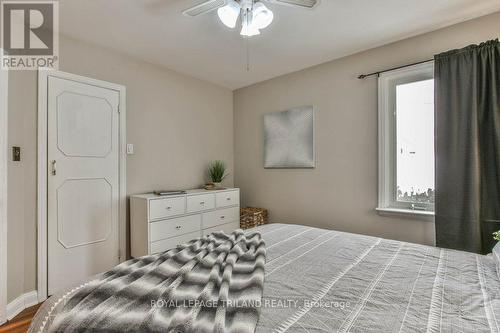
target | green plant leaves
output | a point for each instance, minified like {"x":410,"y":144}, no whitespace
{"x":217,"y":171}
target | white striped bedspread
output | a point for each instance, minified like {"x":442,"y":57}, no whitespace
{"x":326,"y":281}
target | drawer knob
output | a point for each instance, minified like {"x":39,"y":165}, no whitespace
{"x":202,"y":202}
{"x":228,"y":199}
{"x":169,"y":208}
{"x":222,"y":217}
{"x":178,"y":227}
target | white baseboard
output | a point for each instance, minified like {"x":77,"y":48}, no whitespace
{"x":22,"y":302}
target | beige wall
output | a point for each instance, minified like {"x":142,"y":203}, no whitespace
{"x":177,"y":123}
{"x":341,"y":192}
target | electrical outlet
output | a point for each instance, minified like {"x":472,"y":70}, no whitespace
{"x":16,"y":154}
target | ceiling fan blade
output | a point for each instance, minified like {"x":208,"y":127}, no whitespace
{"x":299,"y":3}
{"x":204,"y":7}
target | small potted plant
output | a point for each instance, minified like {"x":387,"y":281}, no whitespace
{"x":496,"y":235}
{"x":217,"y":173}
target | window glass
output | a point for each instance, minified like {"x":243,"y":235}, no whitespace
{"x":415,"y":142}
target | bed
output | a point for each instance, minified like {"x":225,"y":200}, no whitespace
{"x":320,"y":280}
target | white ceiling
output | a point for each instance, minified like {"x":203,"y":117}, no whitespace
{"x":156,"y":31}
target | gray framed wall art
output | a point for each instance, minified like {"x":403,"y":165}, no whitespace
{"x":289,"y":138}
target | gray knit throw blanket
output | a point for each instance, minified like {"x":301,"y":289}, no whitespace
{"x":211,"y":284}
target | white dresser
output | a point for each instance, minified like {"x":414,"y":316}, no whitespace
{"x":159,"y":223}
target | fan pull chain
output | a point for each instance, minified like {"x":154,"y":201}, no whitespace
{"x":248,"y":54}
{"x":247,"y":45}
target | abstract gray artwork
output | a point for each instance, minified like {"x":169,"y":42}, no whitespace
{"x":289,"y":138}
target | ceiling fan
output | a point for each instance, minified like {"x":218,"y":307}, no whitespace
{"x":254,"y":14}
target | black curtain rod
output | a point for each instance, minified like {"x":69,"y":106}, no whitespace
{"x":363,"y":76}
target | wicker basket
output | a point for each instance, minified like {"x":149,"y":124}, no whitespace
{"x":251,"y":217}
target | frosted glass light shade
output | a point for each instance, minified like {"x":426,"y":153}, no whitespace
{"x":248,"y":28}
{"x":229,"y":14}
{"x":262,"y":16}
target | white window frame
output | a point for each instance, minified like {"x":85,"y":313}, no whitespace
{"x":4,"y":156}
{"x":387,"y":82}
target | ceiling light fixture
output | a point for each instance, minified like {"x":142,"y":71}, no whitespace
{"x":229,"y":13}
{"x":248,"y":28}
{"x":254,"y":16}
{"x":262,"y":16}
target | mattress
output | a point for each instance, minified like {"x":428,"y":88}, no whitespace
{"x":320,"y":280}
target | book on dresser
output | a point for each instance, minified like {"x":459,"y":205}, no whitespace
{"x":160,"y":223}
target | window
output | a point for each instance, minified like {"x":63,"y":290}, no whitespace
{"x":406,"y":140}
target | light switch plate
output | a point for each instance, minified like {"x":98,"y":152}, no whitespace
{"x":16,"y":154}
{"x":130,"y":149}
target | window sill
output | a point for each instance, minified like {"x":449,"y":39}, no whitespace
{"x":403,"y":212}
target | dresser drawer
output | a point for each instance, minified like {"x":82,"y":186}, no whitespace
{"x":166,"y":207}
{"x":226,"y":199}
{"x":174,"y":227}
{"x":220,"y":216}
{"x":199,"y":203}
{"x":227,"y":228}
{"x":170,"y":243}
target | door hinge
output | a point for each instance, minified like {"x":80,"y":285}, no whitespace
{"x":118,"y":108}
{"x":119,"y":255}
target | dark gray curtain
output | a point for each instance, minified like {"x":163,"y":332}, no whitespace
{"x":467,"y":104}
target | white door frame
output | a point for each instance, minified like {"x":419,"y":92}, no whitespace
{"x":4,"y":157}
{"x":43,"y":76}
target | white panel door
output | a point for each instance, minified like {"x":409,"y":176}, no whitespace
{"x":83,"y":181}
